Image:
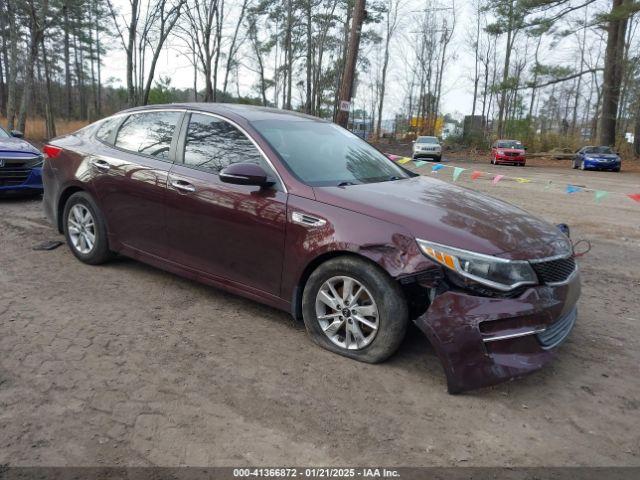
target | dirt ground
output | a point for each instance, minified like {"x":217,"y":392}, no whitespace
{"x":124,"y":364}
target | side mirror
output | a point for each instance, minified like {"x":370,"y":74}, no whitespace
{"x":413,"y":141}
{"x":17,"y":133}
{"x":525,"y":148}
{"x":245,"y":173}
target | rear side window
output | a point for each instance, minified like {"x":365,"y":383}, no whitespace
{"x":106,"y":130}
{"x":148,"y":133}
{"x":212,"y":144}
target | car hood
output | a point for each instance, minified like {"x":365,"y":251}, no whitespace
{"x":437,"y":211}
{"x":13,"y":144}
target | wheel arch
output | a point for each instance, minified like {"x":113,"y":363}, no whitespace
{"x":296,"y":300}
{"x":62,"y":201}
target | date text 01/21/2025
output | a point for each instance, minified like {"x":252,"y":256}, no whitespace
{"x":316,"y":472}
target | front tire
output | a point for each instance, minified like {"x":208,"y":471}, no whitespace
{"x":582,"y":165}
{"x":352,"y":307}
{"x":85,"y":229}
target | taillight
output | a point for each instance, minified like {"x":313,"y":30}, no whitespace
{"x":51,"y":151}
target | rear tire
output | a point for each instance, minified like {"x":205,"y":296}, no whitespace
{"x":85,"y":229}
{"x":380,"y":294}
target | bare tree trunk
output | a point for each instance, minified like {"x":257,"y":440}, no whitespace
{"x":168,"y":20}
{"x":233,"y":47}
{"x":505,"y":72}
{"x":219,"y":22}
{"x":49,"y":119}
{"x":99,"y":60}
{"x":308,"y":101}
{"x":36,"y":30}
{"x":612,"y":77}
{"x":67,"y":60}
{"x":12,"y":67}
{"x":636,"y":131}
{"x":346,"y":89}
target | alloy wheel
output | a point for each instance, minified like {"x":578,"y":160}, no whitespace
{"x":82,"y":228}
{"x":347,"y":313}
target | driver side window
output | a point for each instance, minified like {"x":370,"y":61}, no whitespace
{"x":148,"y":133}
{"x":212,"y":144}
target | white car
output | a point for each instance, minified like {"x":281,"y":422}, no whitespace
{"x":427,"y":147}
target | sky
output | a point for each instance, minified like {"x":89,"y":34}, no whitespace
{"x":457,"y":85}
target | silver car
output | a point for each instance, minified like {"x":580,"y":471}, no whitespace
{"x":427,"y":147}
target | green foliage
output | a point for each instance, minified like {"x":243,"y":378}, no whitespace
{"x":162,"y":92}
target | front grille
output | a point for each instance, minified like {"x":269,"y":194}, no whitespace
{"x":13,"y":176}
{"x":554,"y":271}
{"x":556,"y":333}
{"x":512,"y":154}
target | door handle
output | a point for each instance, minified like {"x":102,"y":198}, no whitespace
{"x":101,"y":165}
{"x":183,"y":186}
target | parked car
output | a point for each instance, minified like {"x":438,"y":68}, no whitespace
{"x":427,"y":147}
{"x":338,"y":235}
{"x":508,"y":151}
{"x":597,"y":158}
{"x":20,"y":165}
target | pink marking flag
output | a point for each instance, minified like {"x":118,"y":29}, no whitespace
{"x":496,"y":179}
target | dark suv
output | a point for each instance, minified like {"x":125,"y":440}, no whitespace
{"x":300,"y":214}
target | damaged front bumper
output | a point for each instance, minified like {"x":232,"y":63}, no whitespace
{"x":483,"y":341}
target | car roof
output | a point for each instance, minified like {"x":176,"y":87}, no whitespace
{"x":507,"y":140}
{"x":248,"y":112}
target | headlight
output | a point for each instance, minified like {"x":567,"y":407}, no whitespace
{"x":499,"y":273}
{"x":500,"y":152}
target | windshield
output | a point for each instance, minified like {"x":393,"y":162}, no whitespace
{"x":321,"y":154}
{"x":509,"y":144}
{"x":427,"y":140}
{"x":3,"y":133}
{"x":598,"y":150}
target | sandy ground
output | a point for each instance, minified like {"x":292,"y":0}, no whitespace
{"x":124,"y":364}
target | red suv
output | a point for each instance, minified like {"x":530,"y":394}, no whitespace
{"x":300,"y":214}
{"x":508,"y":151}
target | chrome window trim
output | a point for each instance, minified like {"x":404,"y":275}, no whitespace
{"x":246,"y":134}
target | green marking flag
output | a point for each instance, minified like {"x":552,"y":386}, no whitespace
{"x":456,"y":172}
{"x":599,"y":195}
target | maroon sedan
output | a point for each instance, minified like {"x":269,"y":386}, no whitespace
{"x":300,"y":214}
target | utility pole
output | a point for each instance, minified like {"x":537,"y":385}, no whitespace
{"x":346,"y":87}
